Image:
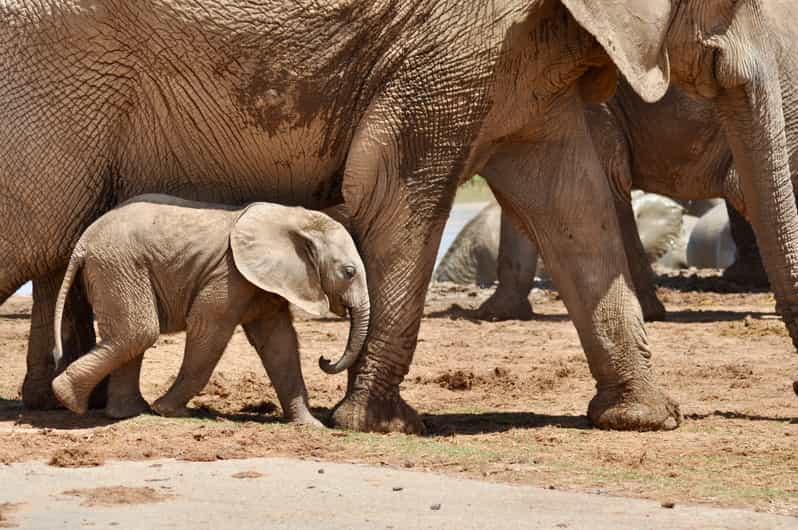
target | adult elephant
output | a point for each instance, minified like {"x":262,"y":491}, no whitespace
{"x":682,"y":146}
{"x":387,"y":105}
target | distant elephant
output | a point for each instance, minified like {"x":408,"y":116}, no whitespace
{"x":159,"y":264}
{"x":711,"y":245}
{"x":386,"y":107}
{"x":472,"y":256}
{"x":676,"y":257}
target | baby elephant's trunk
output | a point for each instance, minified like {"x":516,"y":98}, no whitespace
{"x":359,"y":325}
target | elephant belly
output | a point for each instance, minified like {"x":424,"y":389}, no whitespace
{"x":237,"y":165}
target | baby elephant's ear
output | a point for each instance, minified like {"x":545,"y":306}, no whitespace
{"x":272,"y":254}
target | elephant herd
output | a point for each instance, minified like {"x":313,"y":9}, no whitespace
{"x":673,"y":235}
{"x":385,"y":107}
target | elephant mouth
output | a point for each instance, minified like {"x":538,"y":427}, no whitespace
{"x":338,"y":307}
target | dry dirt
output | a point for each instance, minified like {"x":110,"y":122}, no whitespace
{"x":504,"y":401}
{"x":116,"y":495}
{"x":7,"y":510}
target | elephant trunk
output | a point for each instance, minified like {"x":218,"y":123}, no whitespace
{"x":755,"y":128}
{"x":359,"y":315}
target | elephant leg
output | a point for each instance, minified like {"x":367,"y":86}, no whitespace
{"x":276,"y":343}
{"x":747,"y":268}
{"x":128,"y":325}
{"x":399,"y":183}
{"x":516,"y":266}
{"x":124,"y":392}
{"x":639,"y":266}
{"x":556,"y":188}
{"x":74,"y":385}
{"x":78,"y":338}
{"x":206,"y":339}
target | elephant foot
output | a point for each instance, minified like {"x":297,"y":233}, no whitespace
{"x":360,"y":412}
{"x":39,"y":396}
{"x":308,"y":420}
{"x":638,"y":410}
{"x":126,"y":408}
{"x":653,"y":309}
{"x":168,"y":410}
{"x":747,"y":273}
{"x":505,"y":306}
{"x":71,"y":398}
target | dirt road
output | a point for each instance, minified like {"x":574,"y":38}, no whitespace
{"x":294,"y":494}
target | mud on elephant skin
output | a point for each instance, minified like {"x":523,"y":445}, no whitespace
{"x":159,"y":264}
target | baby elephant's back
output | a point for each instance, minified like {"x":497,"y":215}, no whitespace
{"x":173,"y":235}
{"x":158,"y":244}
{"x":157,"y":222}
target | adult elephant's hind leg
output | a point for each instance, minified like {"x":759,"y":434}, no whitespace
{"x":563,"y":194}
{"x":515,"y":269}
{"x":639,"y":266}
{"x":78,"y":338}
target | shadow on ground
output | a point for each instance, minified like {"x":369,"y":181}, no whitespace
{"x":690,"y":316}
{"x":731,"y":415}
{"x":458,"y":312}
{"x":686,"y":282}
{"x":495,"y":422}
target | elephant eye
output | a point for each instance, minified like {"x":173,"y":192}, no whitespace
{"x":349,"y":271}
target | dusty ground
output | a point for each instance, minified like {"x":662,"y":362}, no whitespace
{"x":503,"y":400}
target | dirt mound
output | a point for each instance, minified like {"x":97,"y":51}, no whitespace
{"x":117,"y":495}
{"x":458,"y":380}
{"x":247,"y":474}
{"x":7,"y":510}
{"x":75,"y":457}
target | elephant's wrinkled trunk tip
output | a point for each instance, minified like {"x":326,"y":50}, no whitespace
{"x":359,"y":323}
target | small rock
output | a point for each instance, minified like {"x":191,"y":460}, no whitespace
{"x":668,"y":504}
{"x":320,"y":471}
{"x":435,"y":507}
{"x":551,"y":487}
{"x":410,"y":464}
{"x":398,"y":488}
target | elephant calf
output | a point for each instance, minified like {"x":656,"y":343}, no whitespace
{"x":162,"y":264}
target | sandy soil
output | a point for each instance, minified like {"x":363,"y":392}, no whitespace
{"x":503,"y":401}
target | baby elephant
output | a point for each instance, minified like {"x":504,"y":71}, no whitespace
{"x":162,"y":264}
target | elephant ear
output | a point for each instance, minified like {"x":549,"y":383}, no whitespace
{"x":633,"y":33}
{"x":271,"y":252}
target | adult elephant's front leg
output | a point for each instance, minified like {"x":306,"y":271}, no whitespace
{"x":399,"y":189}
{"x":562,"y":196}
{"x":78,"y":338}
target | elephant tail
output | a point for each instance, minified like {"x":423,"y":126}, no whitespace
{"x":75,"y":264}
